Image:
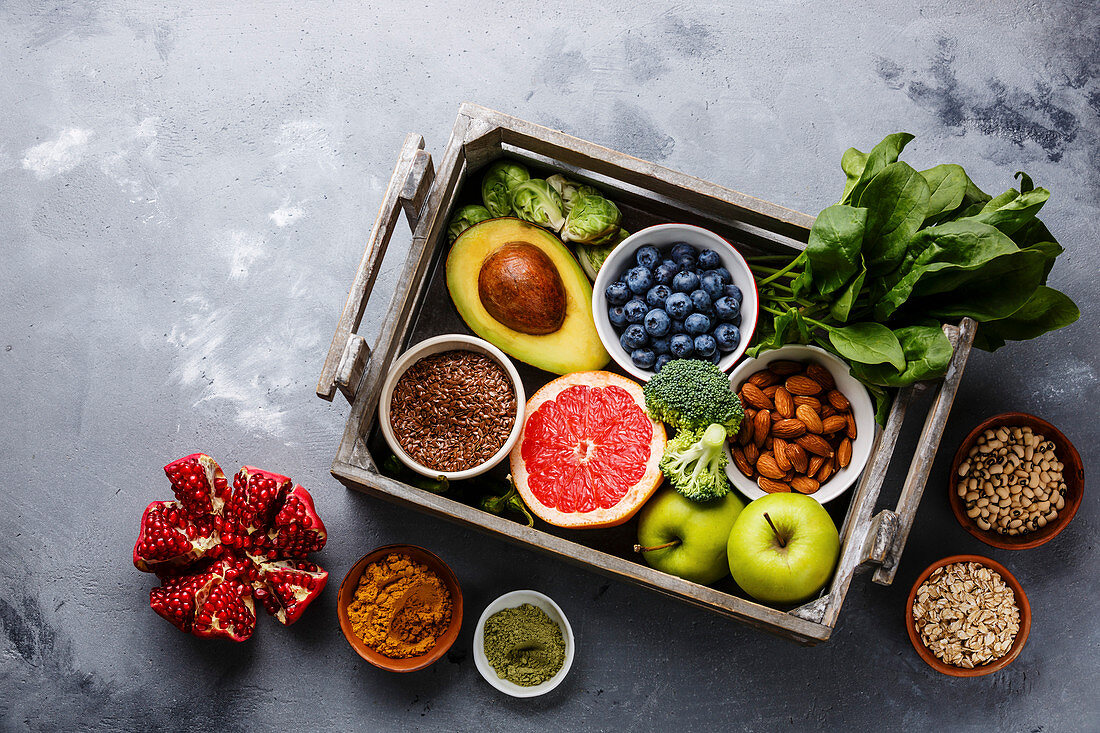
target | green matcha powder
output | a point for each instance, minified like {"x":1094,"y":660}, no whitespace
{"x":524,"y":645}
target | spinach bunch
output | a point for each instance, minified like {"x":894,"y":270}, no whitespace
{"x":903,"y":252}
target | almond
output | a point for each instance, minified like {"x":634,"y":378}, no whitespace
{"x":768,"y":443}
{"x":744,"y":433}
{"x":833,"y":424}
{"x":752,"y":453}
{"x":799,"y":384}
{"x":776,"y":417}
{"x":844,"y":453}
{"x":772,"y":486}
{"x":826,"y":471}
{"x":797,"y":456}
{"x":809,"y":418}
{"x":827,"y":411}
{"x":763,"y":379}
{"x":769,"y":392}
{"x":804,"y":485}
{"x":838,"y":400}
{"x":815,"y":464}
{"x":784,"y":368}
{"x":768,"y":468}
{"x":784,"y":403}
{"x":779,"y":449}
{"x":762,"y":425}
{"x":788,"y":429}
{"x":820,"y":375}
{"x":815,"y":444}
{"x":851,"y":431}
{"x":741,"y":462}
{"x":813,"y":402}
{"x":751,"y":393}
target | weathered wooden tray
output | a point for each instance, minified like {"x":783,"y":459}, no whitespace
{"x":648,"y":194}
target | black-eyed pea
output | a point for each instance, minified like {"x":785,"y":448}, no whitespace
{"x":983,"y":524}
{"x":974,"y":513}
{"x":1041,"y":522}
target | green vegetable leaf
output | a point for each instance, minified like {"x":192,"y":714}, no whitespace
{"x":497,"y":184}
{"x":995,"y":289}
{"x":883,"y":402}
{"x":852,"y":163}
{"x":897,"y":202}
{"x":882,"y":155}
{"x":1025,"y":181}
{"x":834,"y":244}
{"x":1010,"y":211}
{"x":927,"y":353}
{"x":841,"y":307}
{"x":947,"y":185}
{"x":787,"y":328}
{"x":869,"y":343}
{"x":535,"y":201}
{"x":1046,"y":310}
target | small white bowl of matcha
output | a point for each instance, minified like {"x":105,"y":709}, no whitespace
{"x":523,"y":647}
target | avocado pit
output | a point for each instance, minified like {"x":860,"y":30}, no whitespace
{"x":521,"y":288}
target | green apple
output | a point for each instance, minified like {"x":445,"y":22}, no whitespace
{"x":783,"y":548}
{"x":683,"y":537}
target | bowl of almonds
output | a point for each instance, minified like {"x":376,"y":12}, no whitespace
{"x":808,"y":428}
{"x":1016,"y":481}
{"x":967,"y":616}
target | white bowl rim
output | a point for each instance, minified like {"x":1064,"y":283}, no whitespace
{"x":599,"y":300}
{"x":413,"y":354}
{"x":514,"y":599}
{"x":862,"y":409}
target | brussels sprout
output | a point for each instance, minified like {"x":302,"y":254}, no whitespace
{"x":592,"y":219}
{"x":592,"y":256}
{"x":536,"y":202}
{"x":465,"y":218}
{"x":569,"y":190}
{"x":497,"y":184}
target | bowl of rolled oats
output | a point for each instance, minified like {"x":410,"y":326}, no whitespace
{"x":967,"y":616}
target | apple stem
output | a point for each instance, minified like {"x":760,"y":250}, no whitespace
{"x":639,"y":548}
{"x":781,"y":542}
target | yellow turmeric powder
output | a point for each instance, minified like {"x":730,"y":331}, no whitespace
{"x":401,"y":607}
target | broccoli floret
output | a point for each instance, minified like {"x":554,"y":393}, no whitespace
{"x":695,"y":463}
{"x":690,"y":395}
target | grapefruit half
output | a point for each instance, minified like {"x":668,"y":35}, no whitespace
{"x":588,"y":454}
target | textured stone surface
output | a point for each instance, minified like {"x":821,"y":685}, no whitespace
{"x":184,"y":194}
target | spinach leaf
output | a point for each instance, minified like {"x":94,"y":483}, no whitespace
{"x":1012,"y":214}
{"x":995,"y":289}
{"x":1025,"y":181}
{"x":787,"y":328}
{"x":896,"y":201}
{"x":1046,"y":310}
{"x":927,"y":353}
{"x":882,"y":155}
{"x":947,"y":185}
{"x":833,"y":247}
{"x":841,"y":307}
{"x":869,"y":343}
{"x":852,"y":163}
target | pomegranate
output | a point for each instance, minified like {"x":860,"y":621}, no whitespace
{"x":218,"y":550}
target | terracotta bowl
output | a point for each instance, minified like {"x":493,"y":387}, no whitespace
{"x":1073,"y":474}
{"x":1017,"y":644}
{"x":347,"y":594}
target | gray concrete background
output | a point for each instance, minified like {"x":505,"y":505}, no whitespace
{"x":184,"y":194}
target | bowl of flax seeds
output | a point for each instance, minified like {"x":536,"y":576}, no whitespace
{"x":452,"y":407}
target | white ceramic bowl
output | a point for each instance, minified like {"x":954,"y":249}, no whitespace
{"x":512,"y":600}
{"x":449,"y":342}
{"x":663,"y":236}
{"x":862,"y":409}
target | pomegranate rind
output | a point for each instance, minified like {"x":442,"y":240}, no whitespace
{"x":634,"y":497}
{"x":285,"y":588}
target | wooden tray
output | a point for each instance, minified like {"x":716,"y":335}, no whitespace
{"x":648,"y":194}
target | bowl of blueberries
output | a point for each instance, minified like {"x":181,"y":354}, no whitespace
{"x":674,"y":291}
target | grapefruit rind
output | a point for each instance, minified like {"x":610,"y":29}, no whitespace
{"x":634,"y":497}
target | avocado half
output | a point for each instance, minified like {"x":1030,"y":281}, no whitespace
{"x":518,"y":287}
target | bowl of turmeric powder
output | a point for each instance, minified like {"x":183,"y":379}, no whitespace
{"x":400,"y":608}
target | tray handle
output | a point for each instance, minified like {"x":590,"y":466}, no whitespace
{"x":408,"y":187}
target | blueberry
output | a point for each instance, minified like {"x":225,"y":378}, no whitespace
{"x":716,"y":357}
{"x":683,"y":249}
{"x":634,"y":337}
{"x":657,"y":296}
{"x":657,"y":322}
{"x":727,"y":336}
{"x":696,"y":324}
{"x":669,"y":262}
{"x":737,"y":321}
{"x":647,"y":256}
{"x":677,"y":326}
{"x":724,"y":274}
{"x":660,"y":344}
{"x":727,"y":308}
{"x":700,"y":300}
{"x":617,"y":317}
{"x":678,"y":305}
{"x":704,"y":345}
{"x":709,"y":259}
{"x":643,"y":358}
{"x":639,"y":280}
{"x":685,"y":282}
{"x":687,"y":264}
{"x":664,"y":272}
{"x":617,"y":293}
{"x":713,"y":285}
{"x":734,"y":292}
{"x":681,"y":346}
{"x":661,"y":361}
{"x":635,"y":311}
